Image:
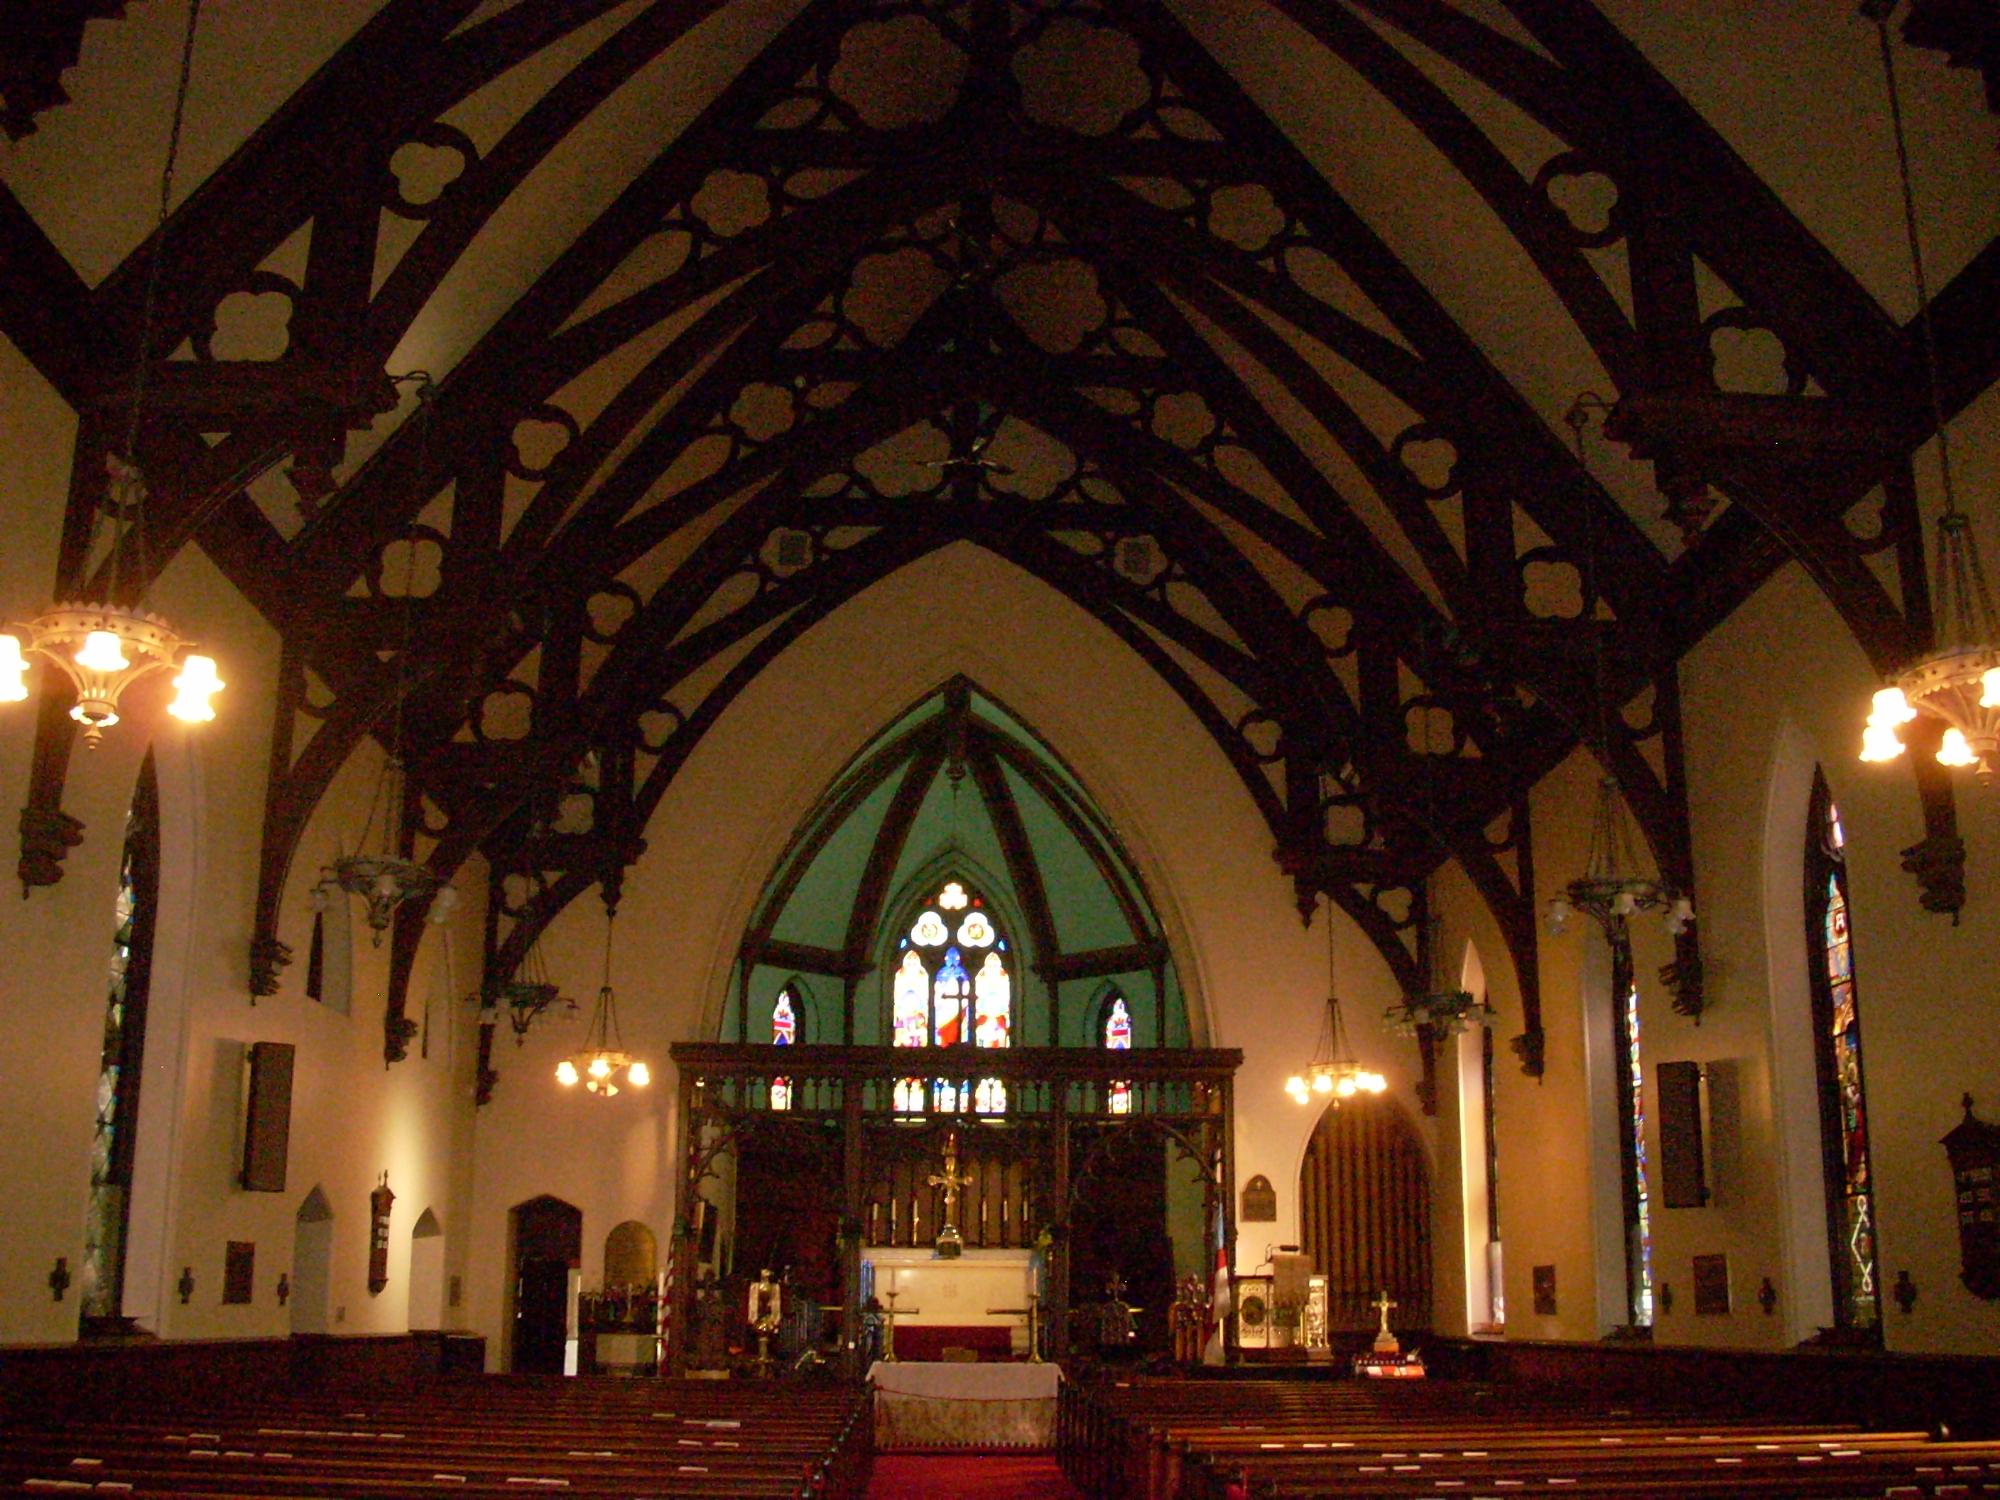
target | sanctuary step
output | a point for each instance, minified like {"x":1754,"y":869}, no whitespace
{"x":903,"y":1476}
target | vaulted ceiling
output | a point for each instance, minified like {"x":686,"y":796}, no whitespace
{"x":1248,"y":325}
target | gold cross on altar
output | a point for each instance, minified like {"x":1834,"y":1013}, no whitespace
{"x":951,"y":1180}
{"x":1383,"y":1305}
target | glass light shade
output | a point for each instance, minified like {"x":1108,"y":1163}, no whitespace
{"x":13,"y":670}
{"x":566,"y":1073}
{"x":1954,"y":751}
{"x":1879,"y":743}
{"x":600,"y":1068}
{"x":638,"y":1075}
{"x":1891,"y":707}
{"x":101,"y":652}
{"x":1989,"y":696}
{"x":196,"y":684}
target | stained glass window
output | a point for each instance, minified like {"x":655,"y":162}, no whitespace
{"x":1857,"y":1293}
{"x":1118,"y":1038}
{"x":952,"y":985}
{"x":113,"y":1141}
{"x":1639,"y":1214}
{"x":784,"y":1032}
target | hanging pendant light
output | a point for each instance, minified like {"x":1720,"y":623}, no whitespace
{"x":1610,"y":890}
{"x":382,"y":875}
{"x":1957,"y":684}
{"x":1334,"y":1073}
{"x":1446,"y":1008}
{"x":603,"y":1065}
{"x":105,"y":644}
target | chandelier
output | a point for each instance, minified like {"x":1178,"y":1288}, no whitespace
{"x":1607,"y":891}
{"x":104,"y":644}
{"x":1446,"y":1008}
{"x":602,"y":1063}
{"x":382,"y":877}
{"x":530,"y":992}
{"x":1334,"y":1073}
{"x":1610,"y":889}
{"x":1957,"y":685}
{"x":385,"y":877}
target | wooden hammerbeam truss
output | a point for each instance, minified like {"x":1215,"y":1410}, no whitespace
{"x":1188,"y":516}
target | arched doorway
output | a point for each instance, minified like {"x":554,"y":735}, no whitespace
{"x":312,"y":1264}
{"x":427,"y":1272}
{"x":547,"y":1243}
{"x":1365,"y":1207}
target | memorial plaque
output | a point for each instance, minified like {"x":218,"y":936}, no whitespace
{"x":1260,"y":1201}
{"x":1711,"y":1285}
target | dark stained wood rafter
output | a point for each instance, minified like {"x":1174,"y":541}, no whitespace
{"x":1517,"y":686}
{"x":40,"y":40}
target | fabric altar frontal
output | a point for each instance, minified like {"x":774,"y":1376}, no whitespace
{"x":964,"y":1405}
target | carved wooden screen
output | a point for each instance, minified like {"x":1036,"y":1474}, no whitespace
{"x":1365,"y":1212}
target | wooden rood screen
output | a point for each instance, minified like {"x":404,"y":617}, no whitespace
{"x":860,"y":1133}
{"x":1364,"y":1199}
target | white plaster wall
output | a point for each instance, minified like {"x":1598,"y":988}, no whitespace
{"x":1255,"y":976}
{"x":351,"y":1118}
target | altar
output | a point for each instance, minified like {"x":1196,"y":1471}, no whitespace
{"x":975,"y":1301}
{"x":957,"y":1405}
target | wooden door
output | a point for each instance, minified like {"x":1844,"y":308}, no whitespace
{"x":1365,"y":1215}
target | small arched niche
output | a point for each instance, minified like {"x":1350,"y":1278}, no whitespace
{"x":427,"y":1272}
{"x":312,"y":1263}
{"x":631,"y":1255}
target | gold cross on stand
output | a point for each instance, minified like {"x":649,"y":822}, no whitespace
{"x":949,"y":1242}
{"x":1033,"y":1313}
{"x":887,"y":1316}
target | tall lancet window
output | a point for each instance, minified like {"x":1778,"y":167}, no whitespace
{"x":1116,"y":1035}
{"x":953,"y":985}
{"x":1638,"y":1202}
{"x":784,"y":1033}
{"x":1857,"y":1293}
{"x":112,"y":1144}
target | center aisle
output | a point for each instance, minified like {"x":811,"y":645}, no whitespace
{"x":969,"y":1476}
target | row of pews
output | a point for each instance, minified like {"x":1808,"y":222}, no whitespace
{"x":478,"y":1435}
{"x":1274,"y":1440}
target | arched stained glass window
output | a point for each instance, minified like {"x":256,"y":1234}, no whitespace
{"x":1857,"y":1294}
{"x":115,"y":1137}
{"x":953,"y":985}
{"x":1638,"y":1202}
{"x":1117,"y":1037}
{"x":784,"y":1033}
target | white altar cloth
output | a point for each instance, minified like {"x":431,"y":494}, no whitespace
{"x":925,"y":1405}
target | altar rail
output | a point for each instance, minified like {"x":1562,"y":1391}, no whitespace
{"x":1039,"y":1082}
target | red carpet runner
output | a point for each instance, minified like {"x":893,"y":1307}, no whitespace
{"x":900,"y":1476}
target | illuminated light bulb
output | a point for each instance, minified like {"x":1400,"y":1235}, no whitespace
{"x":1624,"y":904}
{"x":1559,"y":911}
{"x":1322,"y":1083}
{"x":1296,"y":1087}
{"x":102,"y":652}
{"x":197,"y":683}
{"x":1891,"y":707}
{"x":1376,"y":1083}
{"x":600,"y":1068}
{"x":1955,"y":751}
{"x":566,"y":1073}
{"x":1679,"y":915}
{"x":13,"y":670}
{"x":1989,"y":697}
{"x":1345,"y":1088}
{"x":1879,"y":743}
{"x":639,"y":1075}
